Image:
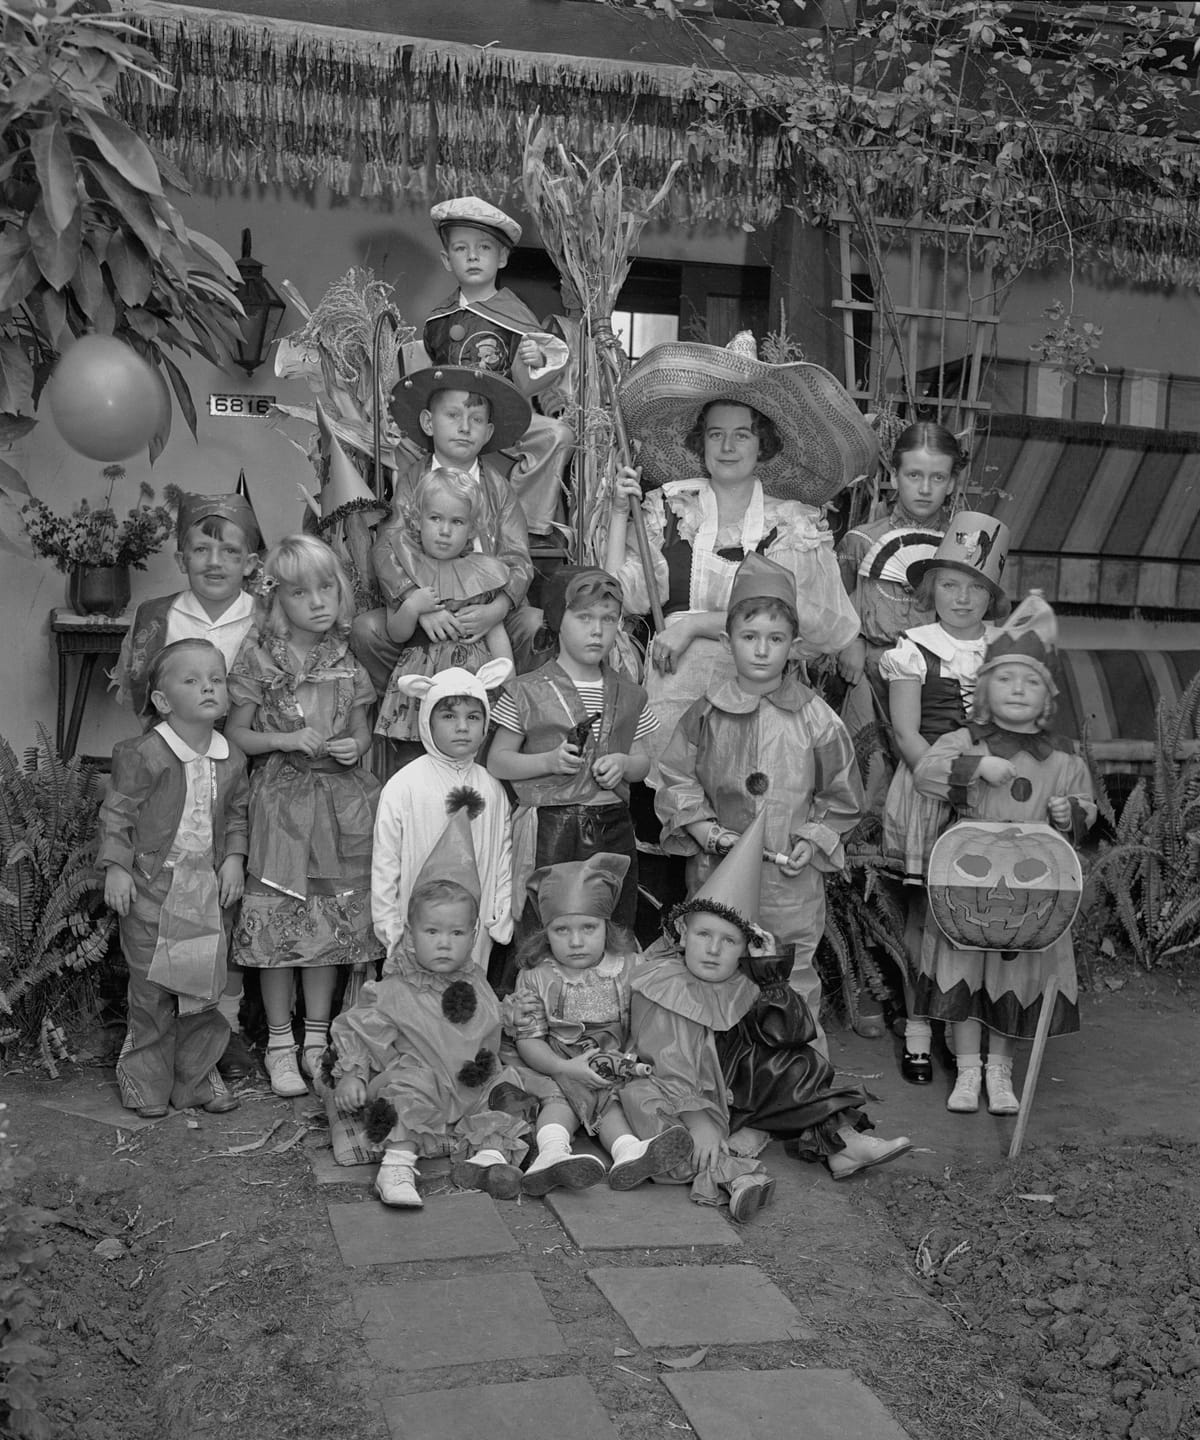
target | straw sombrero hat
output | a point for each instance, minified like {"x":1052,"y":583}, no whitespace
{"x":511,"y":412}
{"x":827,"y":442}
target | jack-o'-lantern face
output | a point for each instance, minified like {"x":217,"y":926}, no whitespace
{"x":1003,"y":887}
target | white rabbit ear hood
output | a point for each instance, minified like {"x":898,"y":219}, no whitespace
{"x":455,"y":681}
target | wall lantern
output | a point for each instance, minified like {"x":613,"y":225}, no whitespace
{"x":264,"y":308}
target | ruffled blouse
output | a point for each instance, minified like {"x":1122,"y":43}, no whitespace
{"x":961,"y":659}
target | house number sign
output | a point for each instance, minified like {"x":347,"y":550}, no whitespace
{"x":240,"y":407}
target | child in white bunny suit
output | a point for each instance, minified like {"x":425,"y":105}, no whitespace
{"x":416,"y":802}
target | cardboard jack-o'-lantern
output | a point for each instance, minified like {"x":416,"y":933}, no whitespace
{"x":999,"y":885}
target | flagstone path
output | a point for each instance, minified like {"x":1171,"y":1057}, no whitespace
{"x":469,"y":1336}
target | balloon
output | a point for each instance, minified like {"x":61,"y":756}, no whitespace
{"x":106,"y":400}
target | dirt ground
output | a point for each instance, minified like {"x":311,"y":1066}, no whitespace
{"x":192,"y":1289}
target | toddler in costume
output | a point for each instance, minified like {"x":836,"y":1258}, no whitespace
{"x":930,"y":677}
{"x":570,"y":739}
{"x":1004,"y":765}
{"x":778,"y":1083}
{"x":454,"y":716}
{"x":420,"y":1048}
{"x":459,"y":414}
{"x":572,"y":998}
{"x":437,"y":555}
{"x":172,"y":846}
{"x":686,"y":993}
{"x":300,"y":703}
{"x":488,"y":328}
{"x":765,"y":741}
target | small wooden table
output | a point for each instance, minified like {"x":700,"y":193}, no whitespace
{"x":89,"y":637}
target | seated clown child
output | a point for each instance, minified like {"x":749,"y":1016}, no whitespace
{"x":418,"y":1053}
{"x":692,"y":997}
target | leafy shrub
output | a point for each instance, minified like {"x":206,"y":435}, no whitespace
{"x":1151,"y":868}
{"x":54,"y":926}
{"x":23,"y":1256}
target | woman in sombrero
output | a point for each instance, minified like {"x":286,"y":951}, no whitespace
{"x":736,"y":456}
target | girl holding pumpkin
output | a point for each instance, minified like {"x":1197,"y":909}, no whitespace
{"x":1004,"y":765}
{"x":930,"y":675}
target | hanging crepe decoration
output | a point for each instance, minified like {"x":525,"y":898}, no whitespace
{"x":892,"y":554}
{"x":1002,"y":885}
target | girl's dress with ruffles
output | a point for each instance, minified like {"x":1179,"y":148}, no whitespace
{"x":429,"y":1045}
{"x":308,"y":874}
{"x":694,"y":560}
{"x":471,"y":579}
{"x":578,"y":1011}
{"x":1002,"y":989}
{"x":946,"y":669}
{"x":674,"y":1022}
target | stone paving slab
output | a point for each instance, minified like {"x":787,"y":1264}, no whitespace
{"x":700,"y":1305}
{"x":526,"y":1410}
{"x":419,"y":1324}
{"x":99,"y":1101}
{"x":462,"y":1225}
{"x":782,"y":1405}
{"x":652,"y":1217}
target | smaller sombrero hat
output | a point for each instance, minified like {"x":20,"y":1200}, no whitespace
{"x":345,"y":491}
{"x":511,"y":412}
{"x":826,"y":440}
{"x":579,"y":887}
{"x":974,"y":543}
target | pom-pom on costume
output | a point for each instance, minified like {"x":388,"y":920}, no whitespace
{"x":711,"y":772}
{"x":413,"y":812}
{"x":1001,"y":989}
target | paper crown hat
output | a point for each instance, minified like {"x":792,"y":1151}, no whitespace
{"x":758,"y":578}
{"x":1029,"y":637}
{"x":567,"y":581}
{"x":453,"y":853}
{"x":471,"y":210}
{"x":975,"y":543}
{"x":826,"y":442}
{"x":235,"y":508}
{"x":345,"y":491}
{"x":579,"y":887}
{"x":511,"y":412}
{"x":732,"y":890}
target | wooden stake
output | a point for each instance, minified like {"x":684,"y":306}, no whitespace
{"x":1035,"y":1065}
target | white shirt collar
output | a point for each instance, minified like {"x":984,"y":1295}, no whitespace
{"x":472,"y":472}
{"x":218,"y":746}
{"x":240,"y":608}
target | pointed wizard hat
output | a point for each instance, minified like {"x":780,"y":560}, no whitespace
{"x":731,"y":892}
{"x":345,"y":491}
{"x":579,"y":887}
{"x":453,"y":853}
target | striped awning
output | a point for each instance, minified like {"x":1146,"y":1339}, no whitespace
{"x":1113,"y":674}
{"x":1100,"y":514}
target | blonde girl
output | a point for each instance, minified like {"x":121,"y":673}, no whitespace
{"x":298,"y":702}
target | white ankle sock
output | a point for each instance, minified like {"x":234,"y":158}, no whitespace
{"x":228,"y":1006}
{"x":625,"y":1147}
{"x":393,"y":1155}
{"x":316,"y":1034}
{"x":969,"y":1062}
{"x":484,"y":1158}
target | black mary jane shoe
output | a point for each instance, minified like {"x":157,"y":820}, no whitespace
{"x":916,"y":1069}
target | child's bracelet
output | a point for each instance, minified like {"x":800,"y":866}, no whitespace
{"x":715,"y":831}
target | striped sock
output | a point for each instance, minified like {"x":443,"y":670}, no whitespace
{"x":280,"y":1037}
